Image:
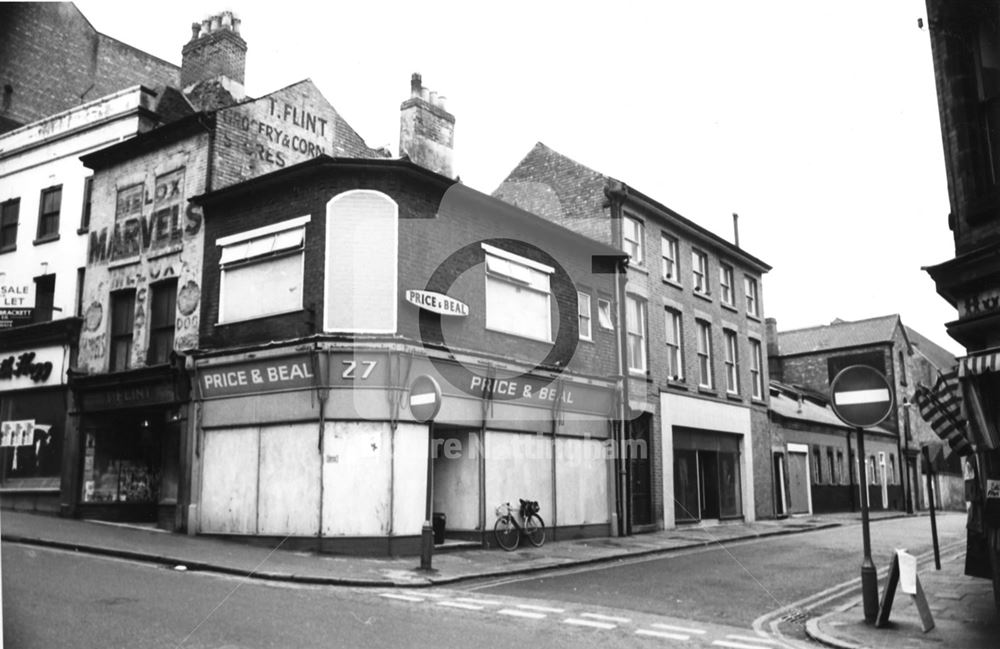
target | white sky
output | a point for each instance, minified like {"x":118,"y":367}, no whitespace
{"x":816,"y":122}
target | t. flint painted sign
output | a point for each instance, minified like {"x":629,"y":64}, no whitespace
{"x":437,"y":302}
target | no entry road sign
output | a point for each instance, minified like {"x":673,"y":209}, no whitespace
{"x":861,"y":396}
{"x":425,"y":398}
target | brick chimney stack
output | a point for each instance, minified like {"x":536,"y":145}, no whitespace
{"x":426,"y":129}
{"x":774,"y":369}
{"x":213,"y":62}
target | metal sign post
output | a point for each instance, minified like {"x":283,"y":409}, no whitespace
{"x":862,"y":398}
{"x":425,"y":402}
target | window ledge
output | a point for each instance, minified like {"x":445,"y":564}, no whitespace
{"x":707,"y":391}
{"x":8,"y":249}
{"x":731,"y":307}
{"x":258,"y":317}
{"x":46,"y":239}
{"x":673,"y":282}
{"x":638,"y":268}
{"x":705,"y":296}
{"x":677,"y":385}
{"x":751,"y":316}
{"x":82,"y":230}
{"x":734,"y":397}
{"x":519,"y":335}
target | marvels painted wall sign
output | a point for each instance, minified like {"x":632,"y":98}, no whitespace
{"x":437,"y":302}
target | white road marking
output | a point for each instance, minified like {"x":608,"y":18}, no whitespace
{"x":747,"y":638}
{"x":405,"y":598}
{"x":735,"y":645}
{"x":606,"y":618}
{"x":854,"y":397}
{"x":543,"y":609}
{"x":473,"y":600}
{"x":468,"y":607}
{"x":662,"y":634}
{"x":591,"y":623}
{"x":516,"y":613}
{"x":681,"y":629}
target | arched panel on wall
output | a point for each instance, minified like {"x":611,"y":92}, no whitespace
{"x":362,"y":243}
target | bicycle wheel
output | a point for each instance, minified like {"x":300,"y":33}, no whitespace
{"x":507,"y":535}
{"x":534,"y":529}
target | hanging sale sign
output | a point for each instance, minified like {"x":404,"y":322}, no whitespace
{"x":17,"y":298}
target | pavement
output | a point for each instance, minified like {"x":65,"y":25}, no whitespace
{"x":142,"y":543}
{"x":962,"y":608}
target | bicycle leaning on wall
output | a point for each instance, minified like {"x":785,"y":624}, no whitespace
{"x":508,"y":530}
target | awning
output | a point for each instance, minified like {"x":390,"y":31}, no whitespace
{"x":980,"y":363}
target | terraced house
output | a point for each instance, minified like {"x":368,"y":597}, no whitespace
{"x":693,"y":335}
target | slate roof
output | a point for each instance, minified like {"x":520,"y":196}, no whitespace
{"x":940,"y":357}
{"x":813,"y":408}
{"x":838,"y":335}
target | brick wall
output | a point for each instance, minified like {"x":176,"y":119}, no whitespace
{"x":53,"y":60}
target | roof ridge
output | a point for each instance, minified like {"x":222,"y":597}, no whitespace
{"x":840,"y":324}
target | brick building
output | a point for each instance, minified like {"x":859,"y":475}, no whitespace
{"x":693,"y":332}
{"x":964,"y":40}
{"x":52,"y":59}
{"x":367,"y":274}
{"x":811,"y":357}
{"x":141,"y":297}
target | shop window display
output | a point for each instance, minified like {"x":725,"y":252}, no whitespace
{"x":122,"y":464}
{"x":31,"y":435}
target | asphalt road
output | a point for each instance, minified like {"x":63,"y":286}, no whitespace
{"x":54,"y":598}
{"x":737,"y":583}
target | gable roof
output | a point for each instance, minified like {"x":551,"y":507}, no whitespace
{"x":561,"y":189}
{"x":795,"y":402}
{"x":940,"y":357}
{"x":838,"y":335}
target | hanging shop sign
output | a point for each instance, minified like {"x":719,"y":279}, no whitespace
{"x":437,"y":303}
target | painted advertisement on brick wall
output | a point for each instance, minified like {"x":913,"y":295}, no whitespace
{"x":279,"y":130}
{"x":144,"y":257}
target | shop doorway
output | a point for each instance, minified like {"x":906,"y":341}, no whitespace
{"x":639,"y":470}
{"x":707,"y":483}
{"x":458,"y":454}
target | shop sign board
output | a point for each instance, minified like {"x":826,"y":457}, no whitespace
{"x":32,"y":368}
{"x":295,"y":372}
{"x":17,"y":299}
{"x":437,"y":303}
{"x":425,"y":398}
{"x":861,"y":396}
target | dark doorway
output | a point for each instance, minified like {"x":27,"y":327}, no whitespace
{"x":708,"y":470}
{"x":640,"y":474}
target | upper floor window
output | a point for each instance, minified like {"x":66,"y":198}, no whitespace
{"x":699,"y":271}
{"x":668,"y":250}
{"x":726,"y":284}
{"x":88,"y":198}
{"x":518,"y":295}
{"x":635,"y":324}
{"x":265,"y":262}
{"x":632,"y":239}
{"x":9,"y":212}
{"x":162,"y":316}
{"x":583,"y":311}
{"x":752,"y":296}
{"x":756,"y":369}
{"x":675,"y":343}
{"x":122,"y":327}
{"x":704,"y":354}
{"x":604,"y":316}
{"x":362,"y":243}
{"x":45,"y":298}
{"x":48,"y":213}
{"x":732,"y":364}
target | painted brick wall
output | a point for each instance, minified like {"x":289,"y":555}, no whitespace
{"x":53,"y":60}
{"x":424,"y":243}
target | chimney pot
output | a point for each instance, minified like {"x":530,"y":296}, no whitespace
{"x":195,"y":30}
{"x":416,"y":84}
{"x":236,"y":24}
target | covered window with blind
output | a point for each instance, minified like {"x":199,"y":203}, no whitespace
{"x":362,"y":260}
{"x":518,"y":294}
{"x":262,"y":271}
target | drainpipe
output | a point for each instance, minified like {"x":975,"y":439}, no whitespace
{"x":321,"y":372}
{"x":555,"y":415}
{"x":486,"y":401}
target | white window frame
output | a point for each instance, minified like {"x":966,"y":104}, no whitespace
{"x":605,"y":315}
{"x":636,"y":330}
{"x":756,"y":369}
{"x":636,"y":228}
{"x":704,"y":336}
{"x":727,"y":276}
{"x":584,"y":316}
{"x":752,"y":291}
{"x":669,"y":247}
{"x":732,"y":361}
{"x":674,"y":325}
{"x":515,"y":278}
{"x":231,"y":257}
{"x":699,"y":272}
